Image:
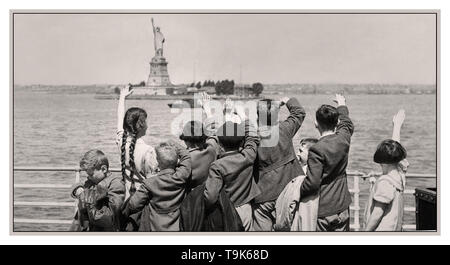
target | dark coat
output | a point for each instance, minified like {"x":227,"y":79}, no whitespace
{"x":327,"y":164}
{"x":222,"y":216}
{"x":276,"y":165}
{"x":201,"y":160}
{"x":233,"y":170}
{"x":104,"y":215}
{"x":160,"y":197}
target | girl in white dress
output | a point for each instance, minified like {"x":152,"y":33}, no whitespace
{"x":138,"y":159}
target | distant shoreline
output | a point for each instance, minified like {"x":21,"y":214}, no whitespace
{"x":269,"y":89}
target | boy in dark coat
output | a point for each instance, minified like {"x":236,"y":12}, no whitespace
{"x":277,"y":163}
{"x":202,"y":145}
{"x":327,"y":164}
{"x":233,"y":170}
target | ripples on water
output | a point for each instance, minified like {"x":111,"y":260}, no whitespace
{"x":56,"y":130}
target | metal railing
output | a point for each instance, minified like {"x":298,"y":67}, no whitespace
{"x":355,"y":207}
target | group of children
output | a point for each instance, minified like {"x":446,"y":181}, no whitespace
{"x":229,"y":175}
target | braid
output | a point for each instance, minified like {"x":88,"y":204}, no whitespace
{"x":122,"y":157}
{"x":133,"y":123}
{"x":131,"y":153}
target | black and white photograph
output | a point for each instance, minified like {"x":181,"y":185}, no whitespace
{"x":273,"y":122}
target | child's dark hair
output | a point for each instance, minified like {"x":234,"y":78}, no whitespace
{"x":389,"y":152}
{"x":94,"y":159}
{"x":133,"y":122}
{"x":308,"y":141}
{"x":327,"y":117}
{"x":166,"y":155}
{"x":231,"y":134}
{"x":194,"y":132}
{"x":267,"y":112}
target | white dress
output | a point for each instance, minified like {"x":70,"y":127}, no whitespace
{"x":144,"y":159}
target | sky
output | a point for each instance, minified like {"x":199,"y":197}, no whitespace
{"x":80,"y":49}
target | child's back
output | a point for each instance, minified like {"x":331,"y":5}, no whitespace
{"x":162,"y":194}
{"x":201,"y":160}
{"x":333,"y":151}
{"x":327,"y":164}
{"x":234,"y":171}
{"x":384,"y":209}
{"x":387,"y":190}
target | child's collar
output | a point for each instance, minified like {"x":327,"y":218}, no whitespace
{"x":193,"y":149}
{"x":394,"y":179}
{"x":326,"y":134}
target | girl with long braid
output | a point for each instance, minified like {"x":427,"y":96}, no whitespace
{"x":138,"y":159}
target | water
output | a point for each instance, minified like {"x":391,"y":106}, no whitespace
{"x":56,"y":130}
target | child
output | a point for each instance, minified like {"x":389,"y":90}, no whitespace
{"x":203,"y":149}
{"x":163,"y":193}
{"x":305,"y":145}
{"x":276,"y":164}
{"x":233,"y":170}
{"x":384,"y":211}
{"x":327,"y":163}
{"x":138,"y":159}
{"x":293,"y":214}
{"x":100,"y":197}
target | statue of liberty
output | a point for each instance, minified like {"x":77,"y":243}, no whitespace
{"x":158,"y":40}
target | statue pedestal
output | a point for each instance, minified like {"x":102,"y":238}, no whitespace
{"x":159,"y":76}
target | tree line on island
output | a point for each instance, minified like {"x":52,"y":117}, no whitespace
{"x":227,"y":87}
{"x":223,"y":87}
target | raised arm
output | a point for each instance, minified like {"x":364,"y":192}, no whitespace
{"x":296,"y":115}
{"x":210,"y":123}
{"x":153,"y":26}
{"x":345,"y":126}
{"x":183,"y":170}
{"x":229,"y":110}
{"x":397,"y":121}
{"x":252,"y":139}
{"x":213,"y":185}
{"x":124,"y":92}
{"x":251,"y":142}
{"x":137,"y":201}
{"x":205,"y":102}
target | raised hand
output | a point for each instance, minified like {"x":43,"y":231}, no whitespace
{"x":126,"y":91}
{"x":204,"y":100}
{"x":399,"y":118}
{"x":240,"y":111}
{"x":283,"y":101}
{"x":228,"y":106}
{"x":340,"y":100}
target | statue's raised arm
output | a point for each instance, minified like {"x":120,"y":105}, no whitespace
{"x":153,"y":26}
